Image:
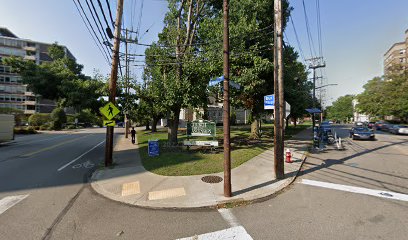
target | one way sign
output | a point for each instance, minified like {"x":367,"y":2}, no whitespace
{"x":111,"y":123}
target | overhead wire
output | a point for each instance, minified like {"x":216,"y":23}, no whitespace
{"x":103,"y":13}
{"x":93,"y":30}
{"x":309,"y":35}
{"x":110,"y":13}
{"x":297,"y":40}
{"x":99,"y":20}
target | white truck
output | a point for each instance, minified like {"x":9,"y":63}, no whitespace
{"x":6,"y":127}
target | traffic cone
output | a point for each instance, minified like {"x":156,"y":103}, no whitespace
{"x":288,"y":156}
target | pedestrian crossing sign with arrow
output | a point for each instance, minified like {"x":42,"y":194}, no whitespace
{"x":111,"y":123}
{"x":109,"y":110}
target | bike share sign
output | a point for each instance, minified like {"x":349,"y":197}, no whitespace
{"x":201,"y":128}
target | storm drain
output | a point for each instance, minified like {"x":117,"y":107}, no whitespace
{"x":211,"y":179}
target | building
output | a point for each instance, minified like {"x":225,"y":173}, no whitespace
{"x":358,"y":116}
{"x":13,"y":93}
{"x":397,"y":55}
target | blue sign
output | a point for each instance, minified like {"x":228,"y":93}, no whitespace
{"x":153,"y":148}
{"x":269,"y":101}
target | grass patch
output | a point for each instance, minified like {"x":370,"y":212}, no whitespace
{"x":178,"y":161}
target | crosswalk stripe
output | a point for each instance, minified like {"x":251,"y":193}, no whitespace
{"x":236,"y":233}
{"x":10,"y":201}
{"x":360,"y":190}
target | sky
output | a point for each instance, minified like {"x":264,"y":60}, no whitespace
{"x":355,"y":34}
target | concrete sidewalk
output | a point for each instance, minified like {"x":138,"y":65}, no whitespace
{"x":129,"y":182}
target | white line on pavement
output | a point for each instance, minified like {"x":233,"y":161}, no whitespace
{"x":10,"y":201}
{"x":83,"y":154}
{"x":229,"y":217}
{"x":238,"y":233}
{"x":367,"y":191}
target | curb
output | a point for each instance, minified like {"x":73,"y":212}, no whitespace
{"x":221,"y":204}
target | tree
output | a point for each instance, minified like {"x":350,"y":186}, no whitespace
{"x":60,"y":80}
{"x":58,"y":118}
{"x":341,"y":109}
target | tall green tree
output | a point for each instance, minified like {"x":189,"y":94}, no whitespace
{"x":341,"y":109}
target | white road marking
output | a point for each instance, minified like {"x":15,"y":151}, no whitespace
{"x":229,"y":217}
{"x":234,"y":233}
{"x":83,"y":154}
{"x":10,"y":201}
{"x":367,"y":191}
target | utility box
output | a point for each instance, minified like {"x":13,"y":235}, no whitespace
{"x":6,"y":127}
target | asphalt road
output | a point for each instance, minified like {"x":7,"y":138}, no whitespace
{"x":60,"y":205}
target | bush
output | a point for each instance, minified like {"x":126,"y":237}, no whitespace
{"x":39,"y":119}
{"x":45,"y":127}
{"x":58,"y":118}
{"x":88,"y":118}
{"x":23,"y":130}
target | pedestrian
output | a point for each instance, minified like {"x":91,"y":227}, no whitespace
{"x":133,"y":133}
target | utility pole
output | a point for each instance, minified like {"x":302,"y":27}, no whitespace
{"x":126,"y":85}
{"x":316,"y":62}
{"x":112,"y":82}
{"x":226,"y":115}
{"x":279,"y":94}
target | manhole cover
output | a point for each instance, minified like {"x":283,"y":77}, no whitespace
{"x":211,"y":179}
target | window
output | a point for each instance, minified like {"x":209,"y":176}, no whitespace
{"x":403,"y":60}
{"x":402,"y":51}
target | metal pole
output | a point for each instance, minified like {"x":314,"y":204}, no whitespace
{"x":226,"y":115}
{"x":112,"y":82}
{"x":314,"y":96}
{"x":278,"y":91}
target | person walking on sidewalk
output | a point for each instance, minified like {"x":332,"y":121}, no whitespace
{"x":133,"y":133}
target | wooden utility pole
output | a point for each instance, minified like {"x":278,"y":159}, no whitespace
{"x":315,"y":63}
{"x":226,"y":114}
{"x":279,"y":94}
{"x":126,"y":86}
{"x":112,"y":82}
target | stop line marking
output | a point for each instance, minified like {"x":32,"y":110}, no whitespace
{"x":10,"y":201}
{"x":360,"y":190}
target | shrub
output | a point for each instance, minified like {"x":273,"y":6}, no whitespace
{"x":58,"y":118}
{"x":39,"y":119}
{"x":23,"y":130}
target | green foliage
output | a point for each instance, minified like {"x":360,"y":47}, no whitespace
{"x":341,"y":109}
{"x":387,"y":96}
{"x":58,"y":118}
{"x":39,"y":119}
{"x":24,"y":130}
{"x":86,"y":116}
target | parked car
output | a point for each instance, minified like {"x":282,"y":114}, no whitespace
{"x":399,"y":129}
{"x":362,"y":133}
{"x":358,"y":124}
{"x":379,"y":124}
{"x":371,"y":125}
{"x":386,"y":127}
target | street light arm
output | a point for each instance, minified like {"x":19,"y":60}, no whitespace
{"x":334,"y":84}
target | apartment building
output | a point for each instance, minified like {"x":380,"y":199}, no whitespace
{"x":13,"y":93}
{"x":397,"y":55}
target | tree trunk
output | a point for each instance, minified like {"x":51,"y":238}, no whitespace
{"x":147,"y":126}
{"x":254,"y":129}
{"x":154,"y":125}
{"x":287,"y":122}
{"x":294,"y":121}
{"x":173,"y":126}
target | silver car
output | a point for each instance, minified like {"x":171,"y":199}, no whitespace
{"x":399,"y":129}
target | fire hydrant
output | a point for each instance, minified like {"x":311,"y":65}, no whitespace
{"x":288,"y":156}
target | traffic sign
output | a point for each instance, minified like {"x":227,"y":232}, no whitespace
{"x":109,"y":110}
{"x":269,"y":101}
{"x":287,"y":109}
{"x":111,"y":123}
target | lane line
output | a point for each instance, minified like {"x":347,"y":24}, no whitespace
{"x":53,"y":146}
{"x":360,"y":190}
{"x":22,"y":143}
{"x":238,"y":233}
{"x":229,"y":217}
{"x":80,"y":156}
{"x":10,"y":201}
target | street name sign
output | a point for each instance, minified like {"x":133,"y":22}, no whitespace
{"x":269,"y":101}
{"x":111,"y":123}
{"x":201,"y":128}
{"x":109,"y":110}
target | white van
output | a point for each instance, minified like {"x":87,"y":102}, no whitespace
{"x":6,"y":127}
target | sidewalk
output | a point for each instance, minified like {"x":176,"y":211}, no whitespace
{"x":130,"y":183}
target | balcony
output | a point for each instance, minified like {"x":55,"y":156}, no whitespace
{"x":29,"y":94}
{"x":29,"y":58}
{"x":27,"y":48}
{"x":29,"y":111}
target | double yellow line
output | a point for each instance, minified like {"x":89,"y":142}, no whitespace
{"x":53,"y":146}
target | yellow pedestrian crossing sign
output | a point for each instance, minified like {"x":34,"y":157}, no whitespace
{"x":109,"y":110}
{"x":111,"y":123}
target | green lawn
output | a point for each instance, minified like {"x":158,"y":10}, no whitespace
{"x":178,"y":161}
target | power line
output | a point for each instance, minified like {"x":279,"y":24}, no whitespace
{"x":106,"y":21}
{"x":309,"y":35}
{"x":110,"y":13}
{"x":297,"y":40}
{"x":319,"y":28}
{"x":97,"y":17}
{"x":93,"y":30}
